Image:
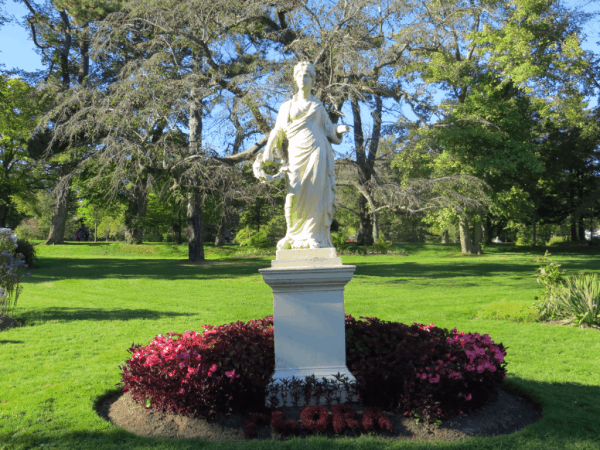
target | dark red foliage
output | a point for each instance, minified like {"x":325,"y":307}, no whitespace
{"x":413,"y":370}
{"x":221,"y":370}
{"x":250,"y":429}
{"x":315,"y":418}
{"x":252,"y":422}
{"x":343,"y":418}
{"x":281,"y":426}
{"x":421,"y":368}
{"x":374,"y":419}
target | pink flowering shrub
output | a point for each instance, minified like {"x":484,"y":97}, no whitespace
{"x":417,"y":370}
{"x":422,"y":370}
{"x":221,"y":370}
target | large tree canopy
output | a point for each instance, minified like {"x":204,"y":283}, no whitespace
{"x":449,"y":101}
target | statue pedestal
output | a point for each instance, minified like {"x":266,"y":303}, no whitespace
{"x":308,"y":315}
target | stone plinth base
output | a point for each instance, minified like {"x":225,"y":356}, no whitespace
{"x":308,"y":314}
{"x":316,"y":257}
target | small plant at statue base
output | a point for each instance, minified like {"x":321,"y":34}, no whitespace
{"x":318,"y":419}
{"x":310,"y":390}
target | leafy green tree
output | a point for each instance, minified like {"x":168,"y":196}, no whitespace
{"x":61,"y":31}
{"x":19,"y":175}
{"x":505,"y":69}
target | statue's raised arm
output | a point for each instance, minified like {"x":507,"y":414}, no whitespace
{"x":307,"y":161}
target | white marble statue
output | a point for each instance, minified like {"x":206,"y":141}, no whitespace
{"x":308,"y":164}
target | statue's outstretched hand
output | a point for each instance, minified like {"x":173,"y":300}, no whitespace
{"x":341,"y":129}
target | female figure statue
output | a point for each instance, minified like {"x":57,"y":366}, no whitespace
{"x":308,"y":164}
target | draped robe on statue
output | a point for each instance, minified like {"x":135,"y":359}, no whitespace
{"x":310,"y":202}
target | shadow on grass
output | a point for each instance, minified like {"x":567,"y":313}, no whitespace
{"x":94,"y":269}
{"x":172,"y":269}
{"x":10,"y":342}
{"x":570,"y":411}
{"x":460,"y":268}
{"x":76,"y":314}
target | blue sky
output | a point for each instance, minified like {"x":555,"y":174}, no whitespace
{"x":16,"y":49}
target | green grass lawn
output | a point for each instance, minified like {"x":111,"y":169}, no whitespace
{"x":86,"y":303}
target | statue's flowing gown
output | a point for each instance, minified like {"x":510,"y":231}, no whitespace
{"x":310,"y":202}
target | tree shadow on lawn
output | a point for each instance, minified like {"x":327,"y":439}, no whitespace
{"x":570,"y":414}
{"x":457,"y":269}
{"x":61,"y":314}
{"x":167,"y":269}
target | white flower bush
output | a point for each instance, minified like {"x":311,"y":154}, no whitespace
{"x":10,"y":263}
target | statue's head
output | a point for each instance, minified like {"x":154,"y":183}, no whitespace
{"x":303,"y":68}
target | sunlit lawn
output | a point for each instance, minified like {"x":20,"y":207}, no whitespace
{"x":86,"y":304}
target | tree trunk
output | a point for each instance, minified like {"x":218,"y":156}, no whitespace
{"x":489,"y":228}
{"x":221,"y":229}
{"x":445,"y":237}
{"x":195,"y":228}
{"x":477,"y":237}
{"x":375,"y":227}
{"x":581,"y":228}
{"x":573,"y":229}
{"x":534,"y":233}
{"x":466,"y":244}
{"x":134,"y":216}
{"x":84,"y":68}
{"x":61,"y":210}
{"x":179,"y":240}
{"x":195,"y":219}
{"x":365,"y":230}
{"x":95,"y":231}
{"x":573,"y":218}
{"x":3,"y":215}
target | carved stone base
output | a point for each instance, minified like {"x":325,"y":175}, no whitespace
{"x":308,"y":313}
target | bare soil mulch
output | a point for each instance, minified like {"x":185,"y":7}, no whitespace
{"x":508,"y":414}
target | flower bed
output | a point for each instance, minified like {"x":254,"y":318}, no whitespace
{"x":420,"y":371}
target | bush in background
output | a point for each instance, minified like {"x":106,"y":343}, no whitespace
{"x":382,"y":246}
{"x":576,"y":300}
{"x":31,"y":229}
{"x":250,"y":238}
{"x":550,"y":275}
{"x":557,"y":240}
{"x":27,"y":249}
{"x":10,"y":263}
{"x":340,"y":241}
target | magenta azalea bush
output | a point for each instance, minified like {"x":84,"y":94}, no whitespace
{"x":419,"y":370}
{"x":422,"y":371}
